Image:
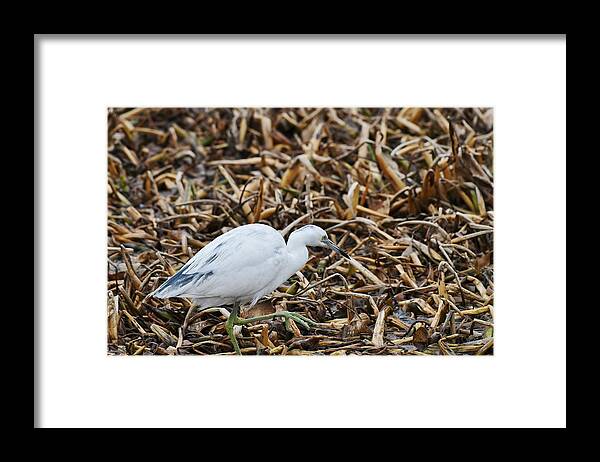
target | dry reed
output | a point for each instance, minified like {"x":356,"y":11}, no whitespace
{"x":407,"y":192}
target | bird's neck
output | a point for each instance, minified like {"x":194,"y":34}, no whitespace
{"x":298,"y":253}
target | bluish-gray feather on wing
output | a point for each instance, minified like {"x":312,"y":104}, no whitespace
{"x":178,"y":283}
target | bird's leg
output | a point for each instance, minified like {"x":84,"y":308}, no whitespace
{"x":233,"y":320}
{"x":304,"y":321}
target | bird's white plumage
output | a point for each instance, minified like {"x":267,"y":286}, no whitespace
{"x":241,"y":265}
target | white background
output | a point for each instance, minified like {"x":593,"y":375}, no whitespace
{"x":523,"y":384}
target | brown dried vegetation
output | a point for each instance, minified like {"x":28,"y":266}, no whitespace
{"x":407,"y":192}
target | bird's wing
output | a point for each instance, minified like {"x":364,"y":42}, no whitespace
{"x":236,"y":264}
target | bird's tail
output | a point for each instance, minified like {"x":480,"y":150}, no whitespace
{"x":160,"y":292}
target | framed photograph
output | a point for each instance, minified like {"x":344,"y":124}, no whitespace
{"x":358,"y":224}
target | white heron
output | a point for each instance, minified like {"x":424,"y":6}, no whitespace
{"x":242,"y":266}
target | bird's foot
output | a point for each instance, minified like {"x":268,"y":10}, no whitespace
{"x":302,"y":320}
{"x":235,"y":321}
{"x":298,"y":318}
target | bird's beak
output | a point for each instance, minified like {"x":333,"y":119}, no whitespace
{"x":335,"y":248}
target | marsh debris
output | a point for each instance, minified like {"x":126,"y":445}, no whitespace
{"x":407,"y":192}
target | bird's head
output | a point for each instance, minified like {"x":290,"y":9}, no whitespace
{"x":313,"y":236}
